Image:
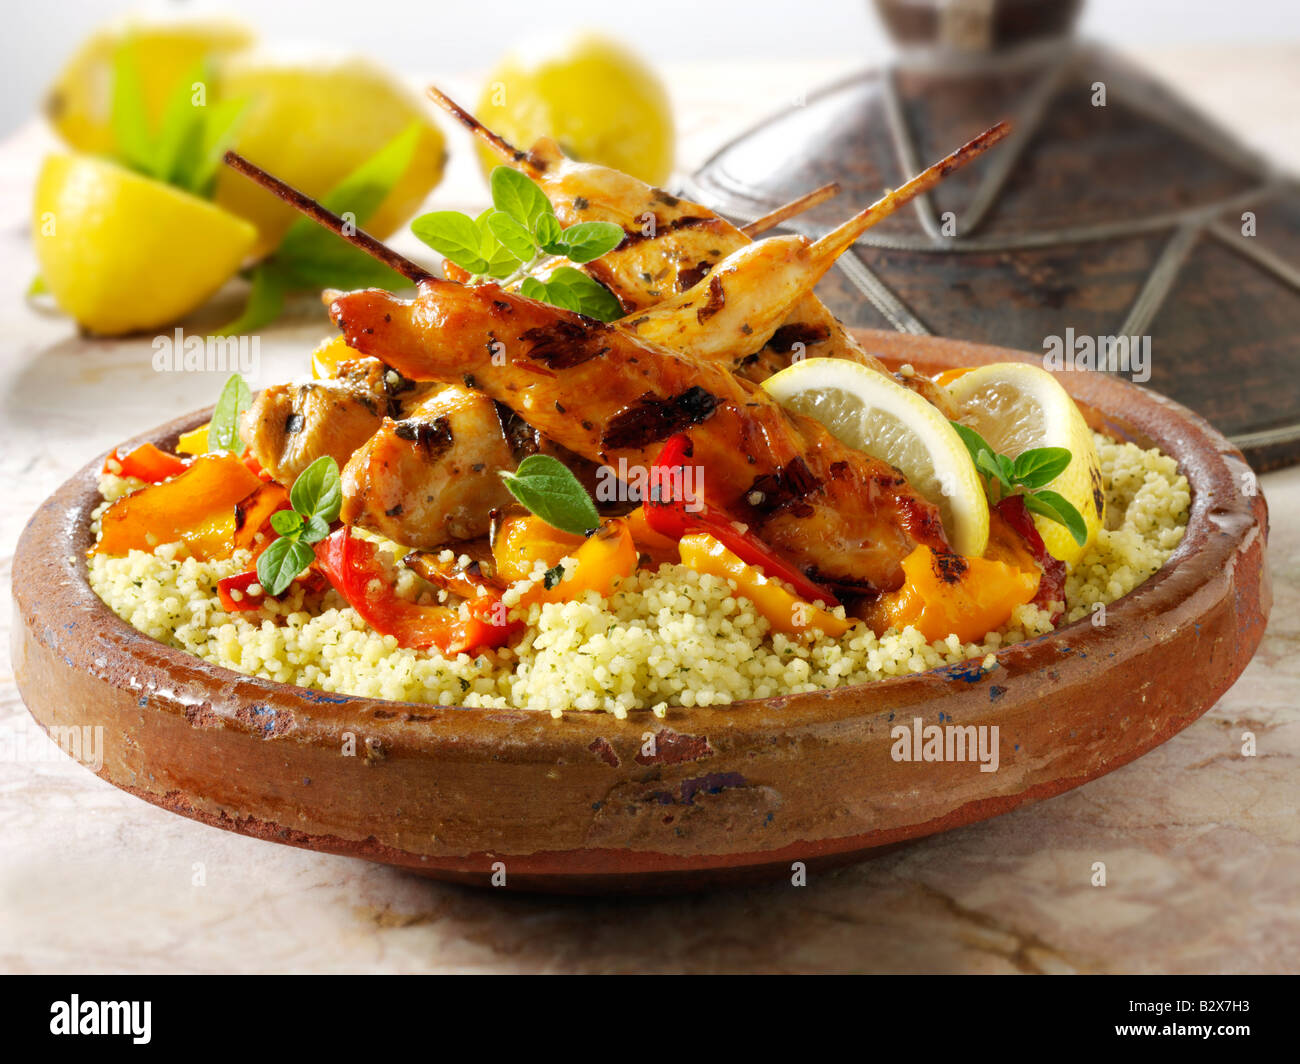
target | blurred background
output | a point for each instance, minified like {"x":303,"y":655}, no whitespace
{"x":421,"y":38}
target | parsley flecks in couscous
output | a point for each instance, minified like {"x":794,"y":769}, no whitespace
{"x":669,"y":637}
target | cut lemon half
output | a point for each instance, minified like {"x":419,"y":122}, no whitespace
{"x":870,"y":412}
{"x":1016,"y":406}
{"x":122,"y":253}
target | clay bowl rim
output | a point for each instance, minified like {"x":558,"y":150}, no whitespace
{"x":1221,"y":520}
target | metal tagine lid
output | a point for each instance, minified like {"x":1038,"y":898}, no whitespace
{"x":1113,"y":210}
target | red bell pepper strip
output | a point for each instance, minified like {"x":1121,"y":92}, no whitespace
{"x":1052,"y":587}
{"x":349,"y":564}
{"x":147,"y":463}
{"x":666,"y":512}
{"x":240,"y":583}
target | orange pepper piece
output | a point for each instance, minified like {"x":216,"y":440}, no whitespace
{"x":198,"y":506}
{"x":523,"y":541}
{"x":948,"y":594}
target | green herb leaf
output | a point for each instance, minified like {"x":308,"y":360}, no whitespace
{"x":318,"y":491}
{"x":987,"y":463}
{"x":501,"y":263}
{"x":589,"y":240}
{"x":1006,"y":469}
{"x":573,"y":290}
{"x":180,"y":137}
{"x":1055,"y":506}
{"x":287,"y":522}
{"x":283,"y":560}
{"x":519,"y":196}
{"x":221,"y":123}
{"x":548,"y":488}
{"x":532,"y":288}
{"x":1039,"y":466}
{"x":265,"y":300}
{"x":315,"y":529}
{"x":513,"y":236}
{"x":223,"y":432}
{"x":975,"y":443}
{"x":548,"y":234}
{"x":454,"y":236}
{"x":127,"y":113}
{"x":553,"y":576}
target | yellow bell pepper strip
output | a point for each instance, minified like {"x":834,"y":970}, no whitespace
{"x":349,"y":564}
{"x":784,"y":612}
{"x":146,"y":462}
{"x":606,"y":558}
{"x":197,"y":506}
{"x":524,"y":540}
{"x":195,"y":441}
{"x":667,"y":512}
{"x":948,"y":594}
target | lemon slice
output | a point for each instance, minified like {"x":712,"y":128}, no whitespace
{"x":1016,"y":406}
{"x":870,"y":412}
{"x":121,"y":253}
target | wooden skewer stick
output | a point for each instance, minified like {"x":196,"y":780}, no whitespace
{"x":313,"y":210}
{"x":495,"y":141}
{"x":839,"y":240}
{"x":786,"y":211}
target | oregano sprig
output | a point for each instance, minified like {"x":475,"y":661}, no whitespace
{"x":507,"y":242}
{"x":548,"y":488}
{"x":316,"y":498}
{"x":1027,"y":474}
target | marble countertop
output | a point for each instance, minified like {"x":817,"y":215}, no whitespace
{"x":1201,"y":844}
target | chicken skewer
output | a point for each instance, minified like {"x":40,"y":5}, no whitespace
{"x":394,"y":451}
{"x":752,"y":291}
{"x":847,"y":519}
{"x":671,"y":243}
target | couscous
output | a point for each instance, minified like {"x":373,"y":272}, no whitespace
{"x":667,"y":637}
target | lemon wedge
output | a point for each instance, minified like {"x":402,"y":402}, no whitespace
{"x":870,"y":412}
{"x":1016,"y":406}
{"x":121,"y":252}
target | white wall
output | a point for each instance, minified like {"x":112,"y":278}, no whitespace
{"x":448,"y":36}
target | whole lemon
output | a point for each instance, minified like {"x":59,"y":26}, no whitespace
{"x":167,"y":49}
{"x":121,"y":253}
{"x":596,"y":98}
{"x":311,"y":121}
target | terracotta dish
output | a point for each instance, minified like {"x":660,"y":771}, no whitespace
{"x":728,"y":794}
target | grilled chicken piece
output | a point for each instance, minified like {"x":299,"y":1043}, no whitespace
{"x":432,"y":478}
{"x":845,"y":517}
{"x":289,"y":426}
